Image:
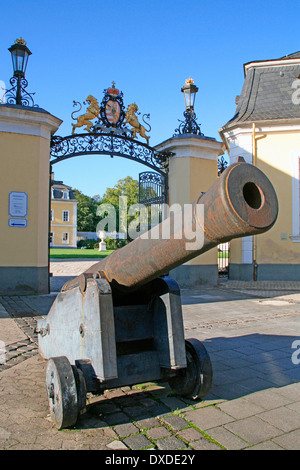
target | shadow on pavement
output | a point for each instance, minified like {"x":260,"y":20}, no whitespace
{"x":250,"y":363}
{"x":242,"y":365}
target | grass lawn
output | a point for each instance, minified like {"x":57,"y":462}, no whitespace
{"x":64,"y":253}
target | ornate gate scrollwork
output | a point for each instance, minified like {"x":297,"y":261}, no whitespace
{"x":111,"y":144}
{"x":109,"y":134}
{"x":152,"y":189}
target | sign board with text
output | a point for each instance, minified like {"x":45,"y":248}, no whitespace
{"x":18,"y":204}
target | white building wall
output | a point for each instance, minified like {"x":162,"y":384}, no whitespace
{"x":241,"y":146}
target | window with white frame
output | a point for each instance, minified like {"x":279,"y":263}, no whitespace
{"x":51,"y":215}
{"x":65,"y":195}
{"x":65,"y":216}
{"x":65,"y":237}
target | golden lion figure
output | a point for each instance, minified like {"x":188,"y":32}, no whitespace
{"x":132,"y":119}
{"x":92,"y":112}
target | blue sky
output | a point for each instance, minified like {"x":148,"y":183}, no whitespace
{"x":148,"y":48}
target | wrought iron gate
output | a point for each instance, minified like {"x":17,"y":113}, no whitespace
{"x":152,"y":188}
{"x":223,"y":248}
{"x":153,"y":194}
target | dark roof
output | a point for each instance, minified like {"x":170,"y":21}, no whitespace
{"x":59,"y":183}
{"x":295,"y":55}
{"x":58,"y":194}
{"x":267,"y":93}
{"x":59,"y":188}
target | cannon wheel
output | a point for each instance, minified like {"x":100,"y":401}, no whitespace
{"x":194,"y":381}
{"x":66,"y":391}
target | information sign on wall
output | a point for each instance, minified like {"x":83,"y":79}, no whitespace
{"x":18,"y":204}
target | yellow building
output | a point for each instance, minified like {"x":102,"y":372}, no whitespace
{"x":25,"y":134}
{"x":265,"y":131}
{"x":63,"y":216}
{"x":192,"y":169}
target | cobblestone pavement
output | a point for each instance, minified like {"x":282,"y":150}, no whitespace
{"x":252,"y":333}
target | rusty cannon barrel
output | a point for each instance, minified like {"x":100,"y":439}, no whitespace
{"x":241,"y":202}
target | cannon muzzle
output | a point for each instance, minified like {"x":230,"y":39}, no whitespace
{"x":241,"y":202}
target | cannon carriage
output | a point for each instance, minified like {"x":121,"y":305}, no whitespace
{"x":120,"y":322}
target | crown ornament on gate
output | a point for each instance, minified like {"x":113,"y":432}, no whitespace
{"x":111,"y":116}
{"x":113,"y":90}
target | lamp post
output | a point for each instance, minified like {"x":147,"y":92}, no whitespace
{"x":189,"y":91}
{"x":189,"y":126}
{"x":19,"y":54}
{"x":17,"y":94}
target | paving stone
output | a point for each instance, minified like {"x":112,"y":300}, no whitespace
{"x":138,"y":442}
{"x":126,"y":429}
{"x":226,"y":438}
{"x":176,"y":422}
{"x":158,"y":433}
{"x":147,"y":423}
{"x":116,"y":418}
{"x":240,"y":408}
{"x":289,"y":441}
{"x":294,"y":406}
{"x":170,"y":443}
{"x":158,"y":410}
{"x":290,"y":392}
{"x":204,"y":444}
{"x":254,"y":384}
{"x":125,"y":400}
{"x":234,"y":362}
{"x":147,"y":402}
{"x":174,"y":403}
{"x":103,"y":407}
{"x":283,"y":418}
{"x":190,"y":434}
{"x":209,"y":417}
{"x":137,"y":412}
{"x":268,"y":399}
{"x":229,"y":391}
{"x":253,"y":429}
{"x":117,"y":445}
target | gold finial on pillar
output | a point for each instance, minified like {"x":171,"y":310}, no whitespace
{"x":21,"y":41}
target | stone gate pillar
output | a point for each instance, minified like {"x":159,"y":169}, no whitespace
{"x":24,"y":187}
{"x":192,"y":170}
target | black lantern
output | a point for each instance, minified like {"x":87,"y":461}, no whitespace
{"x":19,"y":54}
{"x":17,"y":94}
{"x":189,"y":91}
{"x":189,"y":125}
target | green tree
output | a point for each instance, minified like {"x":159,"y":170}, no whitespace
{"x":126,"y":187}
{"x":86,"y":212}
